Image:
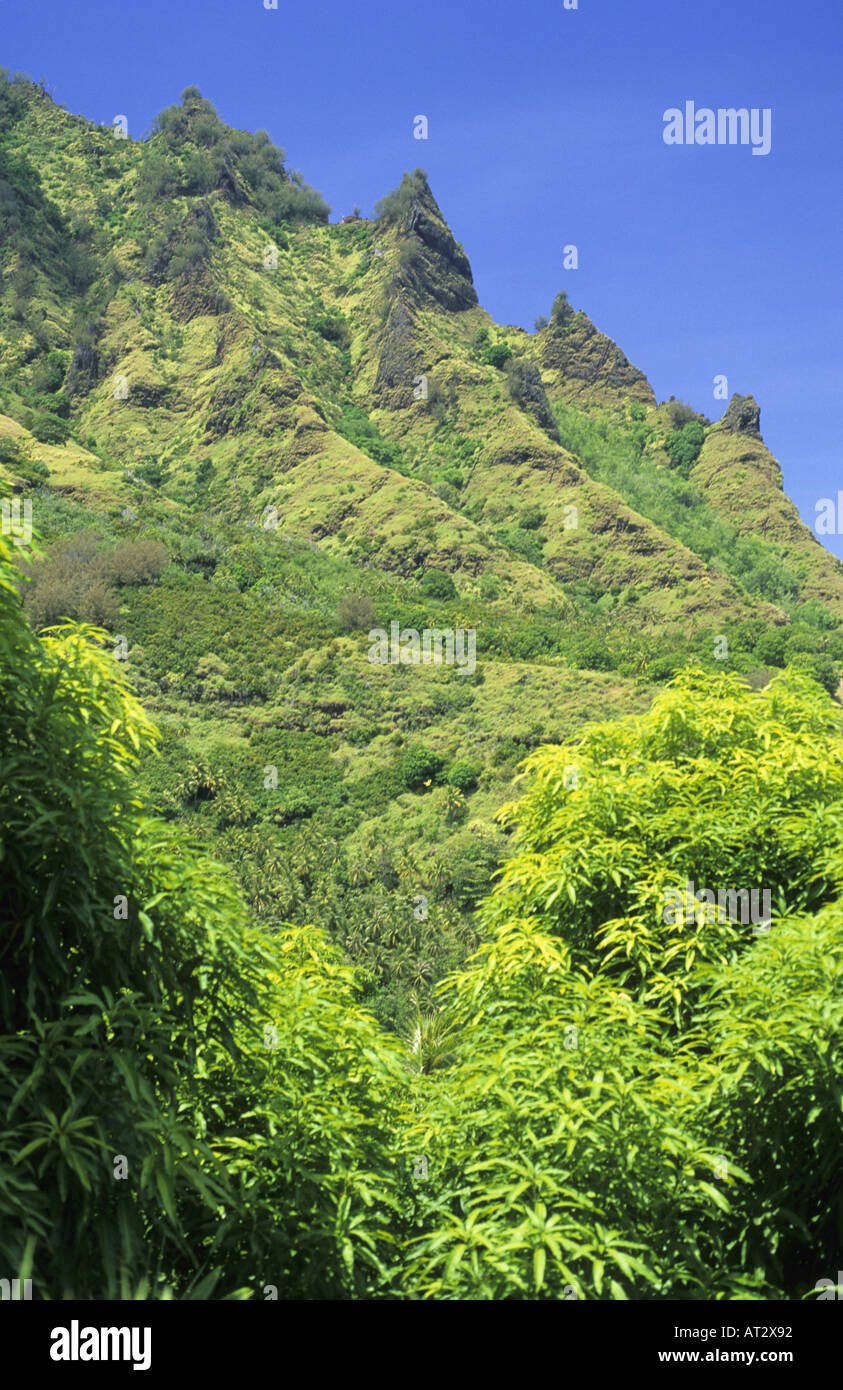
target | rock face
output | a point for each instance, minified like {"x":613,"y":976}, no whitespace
{"x":743,"y":416}
{"x":578,"y":361}
{"x":526,"y":389}
{"x":434,"y":266}
{"x":432,"y":272}
{"x":397,"y":364}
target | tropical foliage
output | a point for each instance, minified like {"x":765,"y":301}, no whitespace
{"x":599,"y":1106}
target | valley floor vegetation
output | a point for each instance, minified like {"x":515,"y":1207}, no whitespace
{"x":359,"y":800}
{"x":598,"y":1104}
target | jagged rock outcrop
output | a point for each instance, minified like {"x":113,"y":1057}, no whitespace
{"x":431,"y":266}
{"x":438,"y":266}
{"x":432,"y":271}
{"x":577,"y":360}
{"x":397,"y":363}
{"x":743,"y":416}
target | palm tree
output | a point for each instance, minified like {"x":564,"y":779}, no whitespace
{"x":421,"y":973}
{"x":432,"y":1041}
{"x":399,"y":962}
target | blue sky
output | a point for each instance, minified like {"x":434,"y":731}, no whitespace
{"x":545,"y":129}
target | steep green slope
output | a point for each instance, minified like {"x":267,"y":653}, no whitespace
{"x":743,"y":483}
{"x":249,"y":436}
{"x":223,"y":358}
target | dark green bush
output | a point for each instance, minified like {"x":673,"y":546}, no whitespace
{"x":821,"y":668}
{"x":684,"y":447}
{"x":356,"y":613}
{"x":463,"y":775}
{"x":770,"y":647}
{"x":532,"y":518}
{"x":419,"y":766}
{"x":591,"y":654}
{"x":395,"y":206}
{"x":497,"y":356}
{"x":50,"y":429}
{"x":438,"y":584}
{"x":333,"y":328}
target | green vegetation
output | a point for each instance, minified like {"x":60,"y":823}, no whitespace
{"x":355,"y":426}
{"x":420,"y":767}
{"x":277,"y":936}
{"x":684,"y":446}
{"x":437,"y":584}
{"x":395,"y":206}
{"x":192,"y":152}
{"x":615,"y":455}
{"x":675,"y":1080}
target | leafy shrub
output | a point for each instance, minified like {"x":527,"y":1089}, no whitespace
{"x":591,"y":654}
{"x":821,"y":668}
{"x":684,"y":447}
{"x":532,"y":518}
{"x":51,"y":371}
{"x":662,"y":668}
{"x":333,"y":328}
{"x":50,"y":429}
{"x":98,"y":604}
{"x":356,"y":613}
{"x":14,"y":457}
{"x":11,"y":452}
{"x":395,"y":206}
{"x":134,"y":562}
{"x":463,"y":775}
{"x":770,"y":647}
{"x":814,"y":614}
{"x":561,"y":308}
{"x":680,"y":414}
{"x":409,"y":254}
{"x":526,"y":544}
{"x":357,"y":428}
{"x":498,"y":355}
{"x":420,"y":766}
{"x":152,"y":473}
{"x":438,"y":584}
{"x":296,"y":804}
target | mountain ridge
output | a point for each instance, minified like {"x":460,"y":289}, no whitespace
{"x":414,"y":314}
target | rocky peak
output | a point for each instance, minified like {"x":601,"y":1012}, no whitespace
{"x":743,"y":416}
{"x":583,"y":362}
{"x":432,"y":265}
